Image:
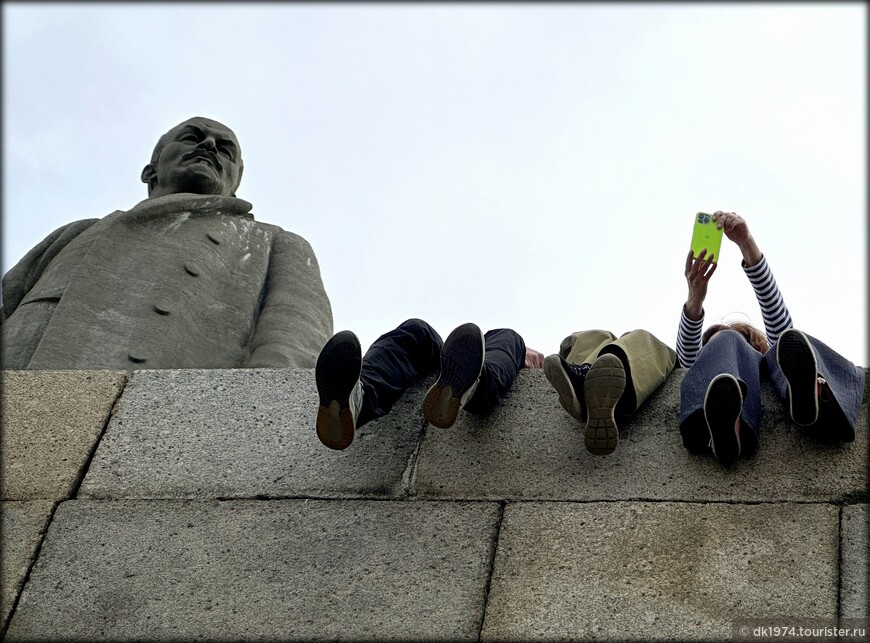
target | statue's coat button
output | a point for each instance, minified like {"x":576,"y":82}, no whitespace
{"x":192,"y":269}
{"x":136,"y":357}
{"x":214,"y":237}
{"x":161,"y":307}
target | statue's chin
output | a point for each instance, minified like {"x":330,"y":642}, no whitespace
{"x":200,"y":180}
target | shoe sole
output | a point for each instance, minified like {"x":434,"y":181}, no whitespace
{"x":723,"y":403}
{"x":798,"y":363}
{"x":558,"y":378}
{"x":461,"y":365}
{"x":336,"y":374}
{"x":604,"y":385}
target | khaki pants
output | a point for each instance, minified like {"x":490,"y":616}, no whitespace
{"x":647,"y":360}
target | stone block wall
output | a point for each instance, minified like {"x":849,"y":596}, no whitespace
{"x":178,"y":505}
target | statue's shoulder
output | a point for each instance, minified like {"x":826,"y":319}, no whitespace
{"x":70,"y":230}
{"x":58,"y":240}
{"x":24,"y":274}
{"x":284,"y":237}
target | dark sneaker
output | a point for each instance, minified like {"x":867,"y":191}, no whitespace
{"x":338,"y":385}
{"x":797,"y":360}
{"x":567,"y":379}
{"x":461,"y":365}
{"x":723,"y":403}
{"x":604,"y":385}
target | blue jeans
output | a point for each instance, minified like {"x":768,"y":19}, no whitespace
{"x":402,"y":357}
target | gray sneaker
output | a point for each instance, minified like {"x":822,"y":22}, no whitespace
{"x":567,"y":379}
{"x":461,"y":365}
{"x":604,"y":385}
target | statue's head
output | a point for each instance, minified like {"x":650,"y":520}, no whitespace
{"x":200,"y":156}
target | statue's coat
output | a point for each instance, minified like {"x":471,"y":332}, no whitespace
{"x":179,"y":281}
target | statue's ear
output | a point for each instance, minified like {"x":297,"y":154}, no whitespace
{"x":148,"y":175}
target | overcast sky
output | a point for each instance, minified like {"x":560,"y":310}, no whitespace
{"x":533,"y":166}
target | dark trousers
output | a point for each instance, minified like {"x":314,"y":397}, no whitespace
{"x":400,"y":358}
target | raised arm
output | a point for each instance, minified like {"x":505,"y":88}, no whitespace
{"x":773,"y":309}
{"x":737,"y":230}
{"x":698,"y":272}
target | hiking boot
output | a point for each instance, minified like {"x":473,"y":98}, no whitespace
{"x":604,"y":385}
{"x":340,"y":389}
{"x":723,"y":403}
{"x":461,"y":365}
{"x":567,"y":379}
{"x":797,"y":360}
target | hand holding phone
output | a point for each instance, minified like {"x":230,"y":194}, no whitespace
{"x":707,"y":235}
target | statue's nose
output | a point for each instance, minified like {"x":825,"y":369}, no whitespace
{"x":209,"y":143}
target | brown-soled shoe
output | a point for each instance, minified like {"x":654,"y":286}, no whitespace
{"x":336,"y":375}
{"x":461,"y":365}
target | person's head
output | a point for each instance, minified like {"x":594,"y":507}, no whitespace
{"x":199,"y":155}
{"x":750,"y":333}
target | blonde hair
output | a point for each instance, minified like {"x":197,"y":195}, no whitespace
{"x":756,"y":338}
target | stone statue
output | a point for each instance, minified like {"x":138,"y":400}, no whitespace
{"x":185,"y":279}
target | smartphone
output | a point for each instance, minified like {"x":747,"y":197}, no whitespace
{"x":706,"y":235}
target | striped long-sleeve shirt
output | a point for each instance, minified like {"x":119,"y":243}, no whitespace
{"x":773,"y":311}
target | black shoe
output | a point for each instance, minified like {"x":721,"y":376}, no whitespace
{"x":567,"y":379}
{"x":797,"y":360}
{"x":461,"y":365}
{"x":723,"y":404}
{"x":338,"y":385}
{"x":604,"y":385}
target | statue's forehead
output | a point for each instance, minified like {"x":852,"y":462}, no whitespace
{"x":205,"y":123}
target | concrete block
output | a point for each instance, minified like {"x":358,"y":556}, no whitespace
{"x":51,"y":422}
{"x":242,"y":433}
{"x":284,"y":570}
{"x":21,"y":525}
{"x":529,"y":448}
{"x":667,"y":571}
{"x":854,"y":576}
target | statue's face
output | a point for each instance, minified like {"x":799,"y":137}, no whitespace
{"x":199,"y":156}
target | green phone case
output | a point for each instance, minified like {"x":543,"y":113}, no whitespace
{"x":706,"y":235}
